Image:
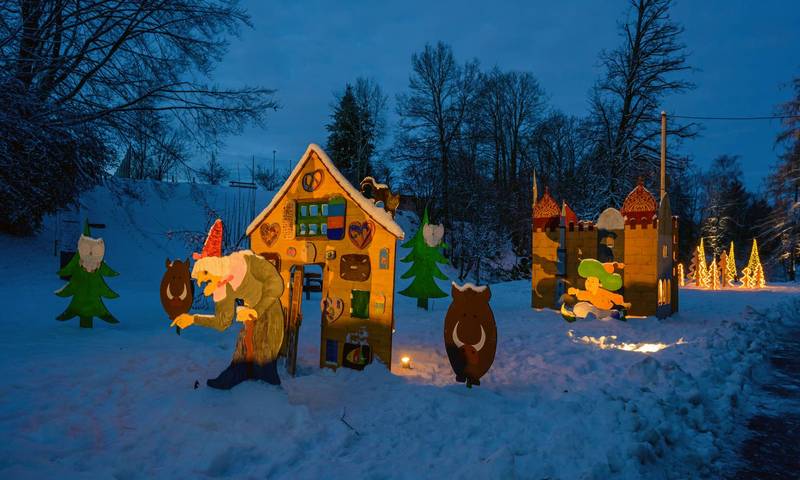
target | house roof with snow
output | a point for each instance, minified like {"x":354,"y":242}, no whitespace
{"x":378,"y":214}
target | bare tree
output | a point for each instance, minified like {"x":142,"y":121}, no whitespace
{"x":625,"y":104}
{"x":513,"y":104}
{"x":213,"y":173}
{"x":432,"y":113}
{"x":268,"y":178}
{"x":78,"y":78}
{"x":561,"y":153}
{"x":170,"y":153}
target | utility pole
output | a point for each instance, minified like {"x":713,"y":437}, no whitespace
{"x":663,"y":154}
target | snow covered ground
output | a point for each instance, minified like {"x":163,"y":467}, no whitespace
{"x":119,"y":401}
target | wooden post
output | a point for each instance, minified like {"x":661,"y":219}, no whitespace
{"x":663,"y":154}
{"x":533,"y":243}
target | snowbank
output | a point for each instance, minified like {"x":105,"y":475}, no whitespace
{"x":119,"y":401}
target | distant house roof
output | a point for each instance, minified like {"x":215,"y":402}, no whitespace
{"x":378,"y":214}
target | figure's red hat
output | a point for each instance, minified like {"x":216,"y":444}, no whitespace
{"x":213,"y":245}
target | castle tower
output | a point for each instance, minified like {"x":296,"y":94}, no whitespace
{"x":545,"y":239}
{"x":641,"y":272}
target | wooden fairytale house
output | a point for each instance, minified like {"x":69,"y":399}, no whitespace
{"x":319,"y":218}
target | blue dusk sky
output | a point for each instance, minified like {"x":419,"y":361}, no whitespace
{"x":744,"y":54}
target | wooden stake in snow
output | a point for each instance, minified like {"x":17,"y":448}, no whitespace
{"x":663,"y":154}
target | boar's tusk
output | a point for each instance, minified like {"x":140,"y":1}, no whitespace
{"x":183,"y":295}
{"x":169,"y":294}
{"x":458,"y":342}
{"x":478,"y":346}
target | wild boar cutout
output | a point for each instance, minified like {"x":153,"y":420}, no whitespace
{"x":177,"y":289}
{"x":470,"y":333}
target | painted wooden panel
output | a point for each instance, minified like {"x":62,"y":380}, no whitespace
{"x":314,"y":196}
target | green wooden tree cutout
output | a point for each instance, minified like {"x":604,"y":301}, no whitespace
{"x":426,"y":251}
{"x":86,"y":285}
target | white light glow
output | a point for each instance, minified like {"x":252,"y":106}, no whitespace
{"x":610,"y":343}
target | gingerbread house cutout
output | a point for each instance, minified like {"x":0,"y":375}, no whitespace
{"x":318,"y":218}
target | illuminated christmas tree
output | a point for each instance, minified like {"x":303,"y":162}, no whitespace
{"x":713,"y":275}
{"x":753,"y":273}
{"x":722,"y":269}
{"x":702,"y":274}
{"x":730,"y":268}
{"x":681,"y":276}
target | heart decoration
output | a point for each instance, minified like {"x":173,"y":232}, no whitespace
{"x":360,"y":233}
{"x":312,"y":180}
{"x":433,"y":234}
{"x":332,"y":308}
{"x":270,"y":233}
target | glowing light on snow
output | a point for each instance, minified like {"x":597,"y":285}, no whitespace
{"x":610,"y":343}
{"x":405,"y":362}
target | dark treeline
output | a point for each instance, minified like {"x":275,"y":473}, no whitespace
{"x":469,"y":139}
{"x":89,"y":87}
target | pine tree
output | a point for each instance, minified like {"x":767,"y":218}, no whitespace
{"x":753,"y":273}
{"x":730,"y":272}
{"x":681,"y":276}
{"x":86,"y":289}
{"x":355,"y":129}
{"x":423,"y":267}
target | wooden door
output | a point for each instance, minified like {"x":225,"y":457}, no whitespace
{"x":295,"y":317}
{"x":328,"y":280}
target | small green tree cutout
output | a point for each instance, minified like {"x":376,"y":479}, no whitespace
{"x":423,"y":258}
{"x":87,"y":288}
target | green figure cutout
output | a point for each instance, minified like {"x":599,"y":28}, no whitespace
{"x":86,"y":285}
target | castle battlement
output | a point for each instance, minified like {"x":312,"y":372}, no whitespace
{"x":631,"y":236}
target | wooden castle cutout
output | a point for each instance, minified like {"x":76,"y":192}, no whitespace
{"x":643,"y":235}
